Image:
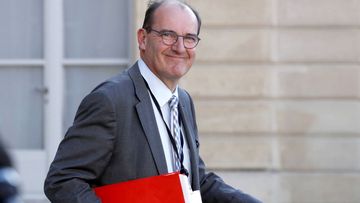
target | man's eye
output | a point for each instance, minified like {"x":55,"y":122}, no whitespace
{"x":167,"y":34}
{"x":191,"y":38}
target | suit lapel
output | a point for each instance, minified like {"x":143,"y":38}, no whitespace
{"x":184,"y":110}
{"x":148,"y":122}
{"x":147,"y":119}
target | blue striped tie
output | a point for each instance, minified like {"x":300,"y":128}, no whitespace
{"x":175,"y":130}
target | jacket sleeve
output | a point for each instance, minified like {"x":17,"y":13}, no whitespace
{"x":213,"y":189}
{"x":83,"y":153}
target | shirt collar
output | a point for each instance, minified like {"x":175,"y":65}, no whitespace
{"x":161,"y":92}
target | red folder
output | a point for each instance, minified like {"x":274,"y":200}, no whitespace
{"x":157,"y":189}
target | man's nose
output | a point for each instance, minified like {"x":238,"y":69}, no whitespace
{"x":179,"y":45}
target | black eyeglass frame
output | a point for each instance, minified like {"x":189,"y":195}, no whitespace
{"x":173,"y":33}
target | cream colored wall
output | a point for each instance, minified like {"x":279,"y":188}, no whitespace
{"x":277,"y":87}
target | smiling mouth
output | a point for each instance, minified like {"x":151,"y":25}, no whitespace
{"x":177,"y":57}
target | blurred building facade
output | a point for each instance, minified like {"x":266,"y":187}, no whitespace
{"x":276,"y":87}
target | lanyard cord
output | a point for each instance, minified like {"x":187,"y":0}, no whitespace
{"x":183,"y":170}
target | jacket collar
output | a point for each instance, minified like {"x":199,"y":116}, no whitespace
{"x":147,"y":119}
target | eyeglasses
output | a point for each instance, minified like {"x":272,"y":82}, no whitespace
{"x":170,"y":38}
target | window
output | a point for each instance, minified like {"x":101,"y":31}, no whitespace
{"x":53,"y":53}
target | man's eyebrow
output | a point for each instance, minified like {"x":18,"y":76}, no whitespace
{"x":187,"y":34}
{"x":165,"y":30}
{"x":191,"y":34}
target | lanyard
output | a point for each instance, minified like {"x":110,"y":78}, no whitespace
{"x":183,"y":170}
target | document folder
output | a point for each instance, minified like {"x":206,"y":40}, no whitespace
{"x":172,"y":187}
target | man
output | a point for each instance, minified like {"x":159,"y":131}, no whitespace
{"x":126,"y":129}
{"x":8,"y":179}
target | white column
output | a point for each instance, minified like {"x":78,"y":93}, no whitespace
{"x":53,"y":75}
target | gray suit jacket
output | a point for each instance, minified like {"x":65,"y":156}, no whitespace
{"x":115,"y":138}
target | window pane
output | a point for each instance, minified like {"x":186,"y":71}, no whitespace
{"x":96,"y":29}
{"x":79,"y":82}
{"x":21,"y":109}
{"x":21,"y":29}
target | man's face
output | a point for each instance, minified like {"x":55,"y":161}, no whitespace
{"x":168,"y":62}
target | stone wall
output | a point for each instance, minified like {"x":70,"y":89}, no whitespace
{"x":277,"y":87}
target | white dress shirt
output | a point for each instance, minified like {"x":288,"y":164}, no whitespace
{"x":163,"y":94}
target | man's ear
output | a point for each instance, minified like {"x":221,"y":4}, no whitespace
{"x":141,"y":37}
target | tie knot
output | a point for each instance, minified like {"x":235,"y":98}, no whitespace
{"x":173,"y":102}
